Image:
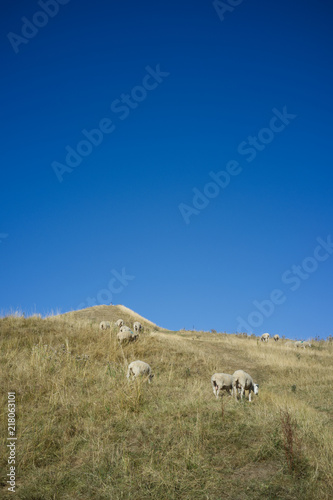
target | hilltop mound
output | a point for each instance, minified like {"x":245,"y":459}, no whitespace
{"x":97,"y":314}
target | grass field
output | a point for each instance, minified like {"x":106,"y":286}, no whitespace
{"x":84,"y":432}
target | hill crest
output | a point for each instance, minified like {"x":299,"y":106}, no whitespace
{"x":109,"y":313}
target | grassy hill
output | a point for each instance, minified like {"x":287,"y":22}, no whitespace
{"x":84,"y":432}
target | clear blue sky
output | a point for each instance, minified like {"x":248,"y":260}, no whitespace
{"x":179,"y":91}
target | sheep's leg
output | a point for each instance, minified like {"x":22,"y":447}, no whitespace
{"x":250,"y":395}
{"x":216,"y":389}
{"x":130,"y":375}
{"x":242,"y":392}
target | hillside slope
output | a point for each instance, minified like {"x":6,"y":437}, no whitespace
{"x":84,"y":432}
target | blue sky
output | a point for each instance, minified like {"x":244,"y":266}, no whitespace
{"x":115,"y":117}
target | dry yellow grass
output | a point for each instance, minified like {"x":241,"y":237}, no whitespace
{"x":84,"y":432}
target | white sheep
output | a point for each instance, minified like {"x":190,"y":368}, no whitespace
{"x":290,"y":343}
{"x":137,"y":368}
{"x":301,"y":343}
{"x":119,"y":322}
{"x":104,"y":325}
{"x":125,"y":328}
{"x":127,"y":336}
{"x":244,"y":382}
{"x":276,"y":337}
{"x":264,"y":337}
{"x":221,"y":381}
{"x":137,"y":326}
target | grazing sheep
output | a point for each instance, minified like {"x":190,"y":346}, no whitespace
{"x":301,"y":343}
{"x":290,"y":343}
{"x":104,"y":325}
{"x":244,"y":382}
{"x":137,"y":326}
{"x":276,"y":337}
{"x":119,"y":322}
{"x":126,"y":336}
{"x":137,"y":368}
{"x":264,"y":337}
{"x":221,"y":381}
{"x":125,"y":328}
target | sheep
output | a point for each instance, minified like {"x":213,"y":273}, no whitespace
{"x":137,"y":368}
{"x":127,"y":336}
{"x":137,"y":326}
{"x":243,"y":381}
{"x":125,"y":328}
{"x":264,"y":337}
{"x":119,"y":322}
{"x":301,"y":343}
{"x":276,"y":337}
{"x":104,"y":325}
{"x":221,"y":381}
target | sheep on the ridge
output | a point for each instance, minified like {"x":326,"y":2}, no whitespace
{"x":137,"y":368}
{"x":264,"y":337}
{"x":104,"y":325}
{"x":290,"y":343}
{"x":125,"y":328}
{"x":119,"y":322}
{"x":221,"y":381}
{"x":137,"y":326}
{"x":301,"y":343}
{"x":276,"y":337}
{"x":127,"y":336}
{"x":244,"y":382}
